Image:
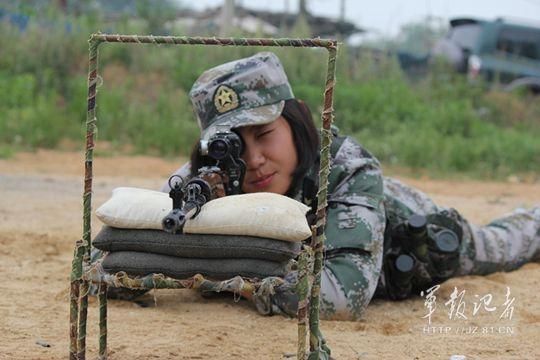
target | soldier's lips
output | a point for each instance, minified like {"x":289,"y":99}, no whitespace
{"x":262,"y":181}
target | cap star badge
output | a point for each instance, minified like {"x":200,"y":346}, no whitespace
{"x":225,"y":99}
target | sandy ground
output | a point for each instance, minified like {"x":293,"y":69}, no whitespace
{"x":40,"y":220}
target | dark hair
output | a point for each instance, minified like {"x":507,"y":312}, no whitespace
{"x":305,"y":137}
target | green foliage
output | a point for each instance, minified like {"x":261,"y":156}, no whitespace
{"x":442,"y":122}
{"x":6,"y":152}
{"x":155,"y":13}
{"x":415,"y":38}
{"x":419,"y":37}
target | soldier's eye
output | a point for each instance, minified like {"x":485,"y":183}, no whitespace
{"x":264,"y":133}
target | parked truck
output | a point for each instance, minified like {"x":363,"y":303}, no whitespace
{"x":502,"y":52}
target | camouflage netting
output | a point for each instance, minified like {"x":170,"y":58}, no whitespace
{"x":237,"y":285}
{"x":310,"y":262}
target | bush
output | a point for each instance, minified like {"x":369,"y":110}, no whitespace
{"x":441,"y":123}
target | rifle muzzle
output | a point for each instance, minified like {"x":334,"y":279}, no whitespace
{"x":174,"y":221}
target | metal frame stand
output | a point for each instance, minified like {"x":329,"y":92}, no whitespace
{"x":82,"y":274}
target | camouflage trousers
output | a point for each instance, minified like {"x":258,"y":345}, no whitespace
{"x":504,"y":244}
{"x":346,"y":289}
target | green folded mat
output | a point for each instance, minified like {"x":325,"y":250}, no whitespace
{"x":140,"y":264}
{"x":195,"y":245}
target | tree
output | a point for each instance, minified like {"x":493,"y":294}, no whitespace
{"x":156,"y":13}
{"x":419,"y":37}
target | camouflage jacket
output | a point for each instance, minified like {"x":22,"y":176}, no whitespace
{"x":363,"y":208}
{"x":364,"y":211}
{"x":354,"y":231}
{"x":354,"y":236}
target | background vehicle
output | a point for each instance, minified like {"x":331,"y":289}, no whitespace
{"x":500,"y":52}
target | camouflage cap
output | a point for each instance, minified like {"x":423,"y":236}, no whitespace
{"x":249,"y":91}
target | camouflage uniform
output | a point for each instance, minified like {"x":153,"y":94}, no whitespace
{"x":359,"y":203}
{"x":363,"y":207}
{"x":354,"y":231}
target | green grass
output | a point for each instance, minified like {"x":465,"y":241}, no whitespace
{"x":441,"y":123}
{"x":6,"y":152}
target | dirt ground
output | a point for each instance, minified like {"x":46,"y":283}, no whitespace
{"x":41,"y":218}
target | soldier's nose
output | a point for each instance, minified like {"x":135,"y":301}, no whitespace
{"x":254,"y":157}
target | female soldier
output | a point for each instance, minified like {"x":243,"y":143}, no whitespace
{"x":383,"y":238}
